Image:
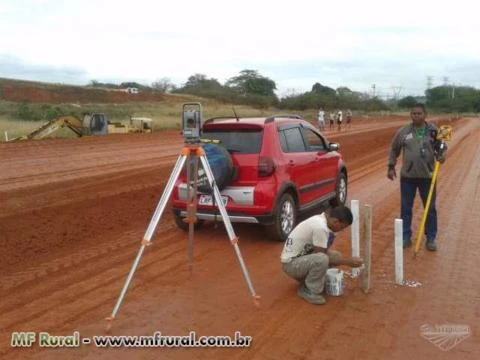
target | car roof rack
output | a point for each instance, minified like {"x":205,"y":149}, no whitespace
{"x":289,"y":116}
{"x":268,"y":119}
{"x":218,"y":118}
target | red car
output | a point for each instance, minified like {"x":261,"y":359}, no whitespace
{"x":284,"y":167}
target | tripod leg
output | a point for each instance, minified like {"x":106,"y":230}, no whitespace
{"x":150,"y":230}
{"x":228,"y":225}
{"x":165,"y":196}
{"x":192,"y":205}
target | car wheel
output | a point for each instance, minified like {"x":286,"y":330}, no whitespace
{"x":183,"y":225}
{"x":285,"y":217}
{"x":340,"y":191}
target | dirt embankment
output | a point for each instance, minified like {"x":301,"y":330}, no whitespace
{"x":20,"y":91}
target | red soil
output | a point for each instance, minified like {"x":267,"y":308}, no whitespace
{"x":73,"y":213}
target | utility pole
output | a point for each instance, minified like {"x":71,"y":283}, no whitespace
{"x":373,"y":90}
{"x":453,"y":97}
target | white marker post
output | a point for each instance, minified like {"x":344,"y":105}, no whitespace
{"x":6,"y":136}
{"x":355,"y":207}
{"x":399,"y":251}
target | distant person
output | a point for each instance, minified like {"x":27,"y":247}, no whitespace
{"x":321,"y":119}
{"x":420,"y":149}
{"x":306,"y":254}
{"x":339,"y":119}
{"x":331,"y":119}
{"x":349,"y":119}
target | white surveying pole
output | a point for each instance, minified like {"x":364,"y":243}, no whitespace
{"x":399,"y":251}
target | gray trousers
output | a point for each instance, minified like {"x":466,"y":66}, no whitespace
{"x":311,"y":269}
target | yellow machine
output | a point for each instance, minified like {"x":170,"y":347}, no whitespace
{"x":135,"y":125}
{"x":91,"y":124}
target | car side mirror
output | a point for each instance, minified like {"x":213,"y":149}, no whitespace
{"x":333,"y":147}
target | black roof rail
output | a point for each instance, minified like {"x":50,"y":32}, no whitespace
{"x":289,"y":116}
{"x":218,"y":118}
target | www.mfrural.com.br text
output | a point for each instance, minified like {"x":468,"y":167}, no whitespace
{"x":75,"y":340}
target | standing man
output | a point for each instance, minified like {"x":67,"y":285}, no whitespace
{"x":306,"y":254}
{"x":349,"y":119}
{"x":331,"y":118}
{"x":418,"y":140}
{"x":339,"y":120}
{"x":321,"y":119}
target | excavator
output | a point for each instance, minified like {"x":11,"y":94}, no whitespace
{"x":91,"y":124}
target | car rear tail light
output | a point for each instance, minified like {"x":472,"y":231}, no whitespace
{"x":266,"y":166}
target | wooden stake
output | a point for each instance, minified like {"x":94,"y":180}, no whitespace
{"x":367,"y":225}
{"x":355,"y":207}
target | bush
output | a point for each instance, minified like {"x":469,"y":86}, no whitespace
{"x":25,"y":113}
{"x":50,"y":113}
{"x":407,"y":102}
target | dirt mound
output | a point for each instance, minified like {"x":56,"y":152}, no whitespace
{"x":19,"y":91}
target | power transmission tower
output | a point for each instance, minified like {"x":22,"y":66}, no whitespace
{"x":373,"y":90}
{"x":445,"y":80}
{"x":429,"y":82}
{"x":396,"y":92}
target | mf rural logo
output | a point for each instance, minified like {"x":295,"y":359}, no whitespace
{"x":446,"y":337}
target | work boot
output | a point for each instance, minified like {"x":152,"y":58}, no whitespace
{"x":307,"y":295}
{"x":407,"y":243}
{"x":431,"y":246}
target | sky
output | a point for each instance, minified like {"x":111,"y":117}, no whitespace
{"x":386,"y":47}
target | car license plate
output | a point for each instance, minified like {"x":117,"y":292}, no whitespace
{"x":207,"y":200}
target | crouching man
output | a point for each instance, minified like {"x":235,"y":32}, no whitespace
{"x":306,"y":255}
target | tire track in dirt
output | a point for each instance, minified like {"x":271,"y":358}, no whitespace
{"x":89,"y":281}
{"x":42,"y":172}
{"x":71,"y":191}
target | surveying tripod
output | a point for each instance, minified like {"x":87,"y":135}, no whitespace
{"x":190,"y":152}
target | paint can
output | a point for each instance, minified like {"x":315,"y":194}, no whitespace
{"x":334,"y":282}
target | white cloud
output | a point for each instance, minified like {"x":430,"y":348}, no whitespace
{"x":351,"y":43}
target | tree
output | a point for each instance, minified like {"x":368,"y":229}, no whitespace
{"x":250,"y":82}
{"x":344,"y":91}
{"x":200,"y":81}
{"x":132,"y":84}
{"x":318,"y":88}
{"x":98,"y":84}
{"x":407,"y":102}
{"x":164,"y":85}
{"x":439,"y":98}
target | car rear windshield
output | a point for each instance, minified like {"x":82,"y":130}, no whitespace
{"x":245,"y":141}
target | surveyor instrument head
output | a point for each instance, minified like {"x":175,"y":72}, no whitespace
{"x":444,"y":133}
{"x":192,"y":122}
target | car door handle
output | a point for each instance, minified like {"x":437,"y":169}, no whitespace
{"x":291,"y":163}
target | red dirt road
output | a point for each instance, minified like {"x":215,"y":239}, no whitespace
{"x":73,"y":212}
